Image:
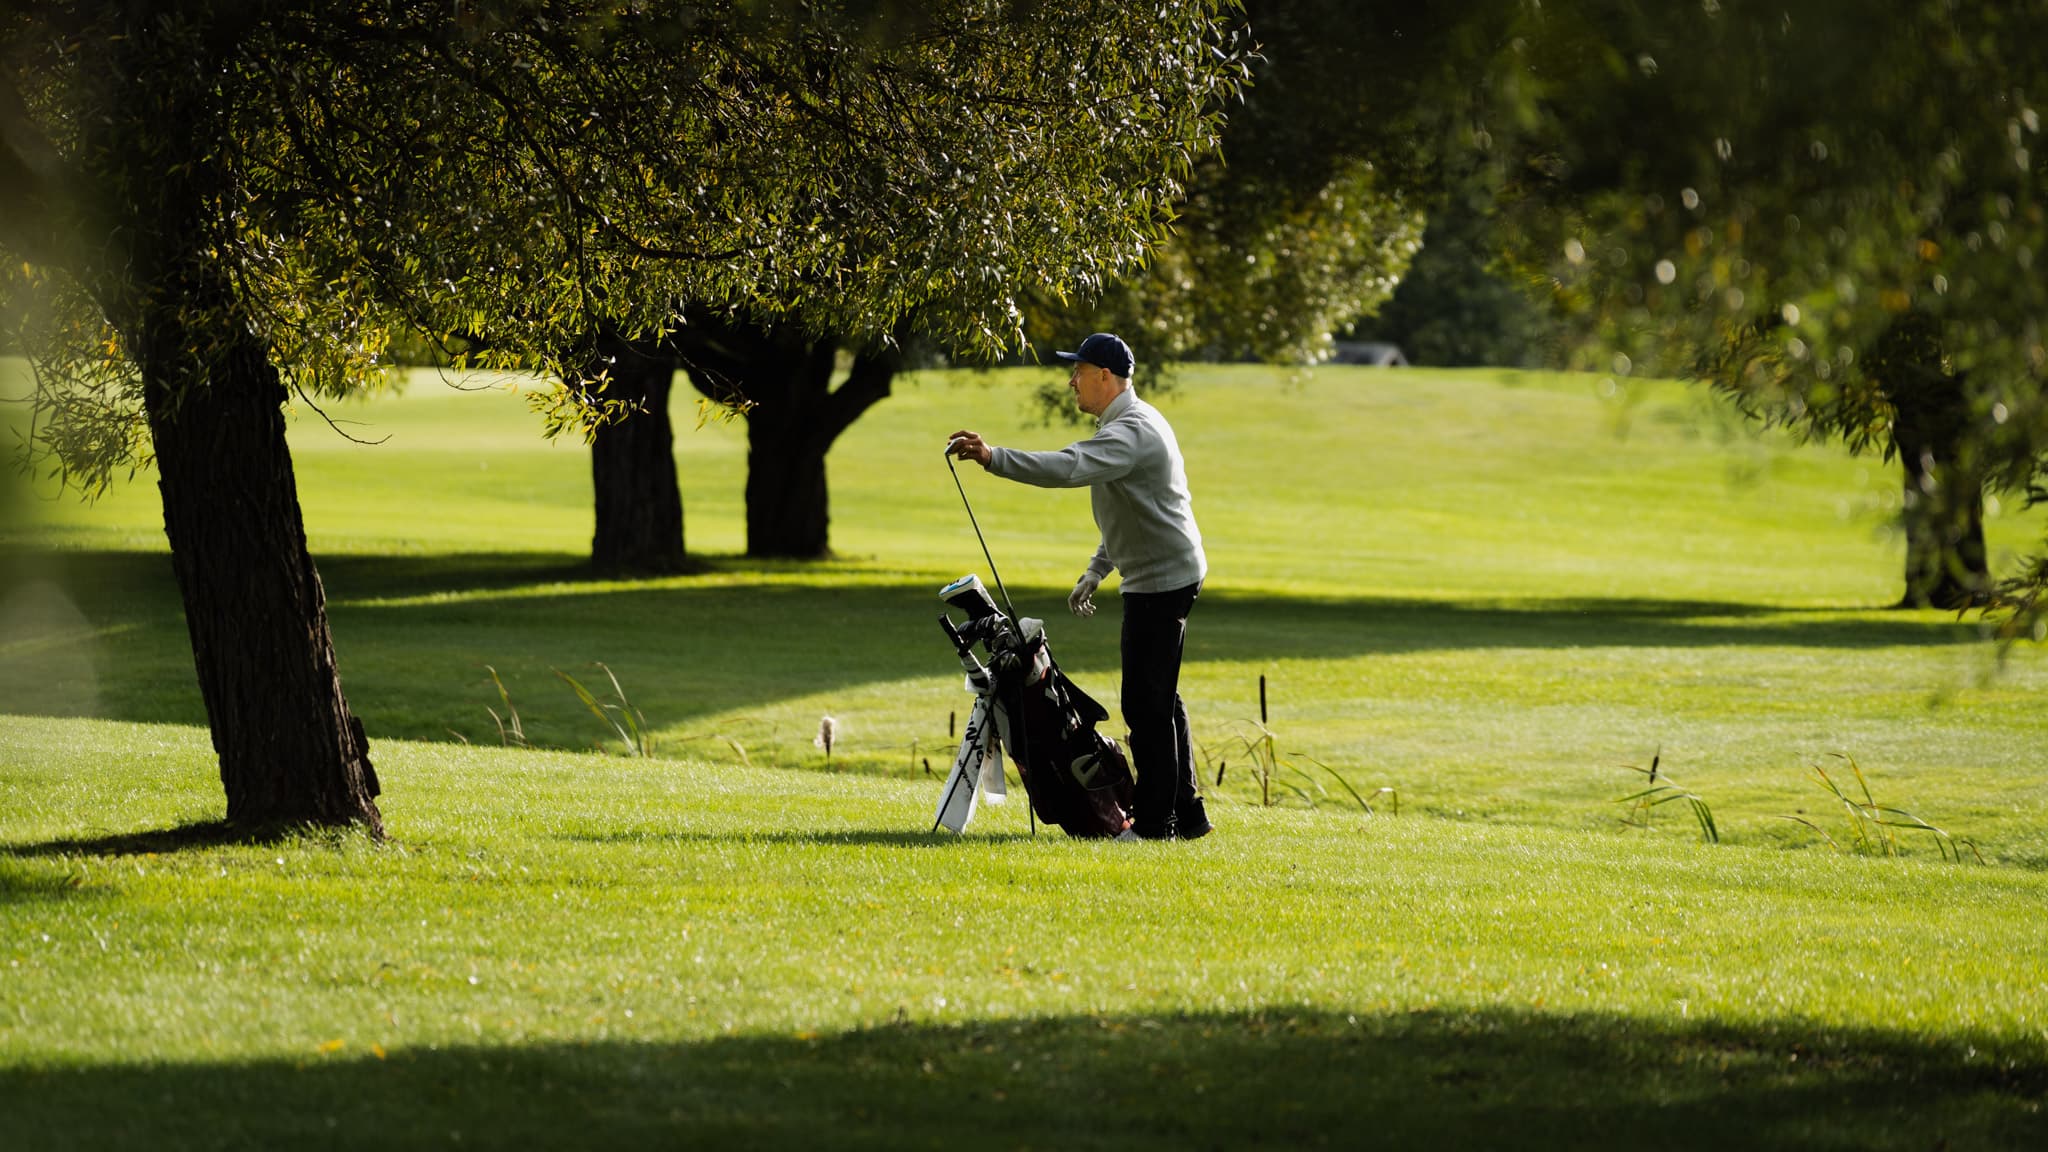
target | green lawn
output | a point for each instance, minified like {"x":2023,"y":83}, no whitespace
{"x":1487,"y":591}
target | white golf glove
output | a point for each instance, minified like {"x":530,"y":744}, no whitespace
{"x":1081,"y":601}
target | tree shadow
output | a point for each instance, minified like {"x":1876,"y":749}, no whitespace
{"x":1281,"y":1078}
{"x":165,"y":841}
{"x":30,"y":886}
{"x":846,"y":838}
{"x":415,"y":634}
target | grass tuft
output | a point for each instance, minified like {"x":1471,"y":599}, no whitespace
{"x":1661,"y":790}
{"x":510,"y":733}
{"x":1874,"y":827}
{"x":617,"y":713}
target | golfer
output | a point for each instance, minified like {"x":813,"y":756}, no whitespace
{"x":1139,"y":488}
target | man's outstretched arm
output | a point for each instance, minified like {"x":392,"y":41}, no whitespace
{"x":1108,"y":455}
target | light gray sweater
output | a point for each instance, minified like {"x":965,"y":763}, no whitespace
{"x":1138,"y":486}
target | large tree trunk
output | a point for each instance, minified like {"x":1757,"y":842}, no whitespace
{"x":1942,"y":485}
{"x":1946,"y":561}
{"x":788,"y":503}
{"x":795,"y":415}
{"x":290,"y":750}
{"x":633,"y":464}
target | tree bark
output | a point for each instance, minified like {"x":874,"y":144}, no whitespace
{"x":1942,"y":493}
{"x":1946,"y":562}
{"x":789,"y":505}
{"x":290,"y":750}
{"x":633,"y":464}
{"x":795,"y":416}
{"x":788,"y":500}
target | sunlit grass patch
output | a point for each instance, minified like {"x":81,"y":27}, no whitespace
{"x":777,"y":949}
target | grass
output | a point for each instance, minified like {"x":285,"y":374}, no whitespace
{"x":1470,"y":588}
{"x":1875,"y":827}
{"x":564,"y":944}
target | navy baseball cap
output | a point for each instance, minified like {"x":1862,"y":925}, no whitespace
{"x":1104,"y":351}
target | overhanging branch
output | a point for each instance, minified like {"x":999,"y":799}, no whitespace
{"x":29,"y":171}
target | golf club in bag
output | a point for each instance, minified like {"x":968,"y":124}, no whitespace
{"x":1024,"y":705}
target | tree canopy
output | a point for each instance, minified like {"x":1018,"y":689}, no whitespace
{"x":1458,"y":304}
{"x":515,"y":174}
{"x":207,"y":208}
{"x":1829,"y":210}
{"x":1309,"y":215}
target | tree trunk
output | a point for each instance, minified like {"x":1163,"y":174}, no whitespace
{"x":1946,"y":561}
{"x":633,"y":464}
{"x":795,"y":415}
{"x":290,"y":750}
{"x":788,"y":503}
{"x":1942,"y":492}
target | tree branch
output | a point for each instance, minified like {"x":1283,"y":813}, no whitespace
{"x":866,"y":385}
{"x":30,"y":173}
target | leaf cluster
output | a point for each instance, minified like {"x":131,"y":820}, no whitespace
{"x":1310,"y":215}
{"x":509,"y":178}
{"x":1766,"y":196}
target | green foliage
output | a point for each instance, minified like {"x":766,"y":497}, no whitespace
{"x":1315,"y":207}
{"x":509,"y":178}
{"x":617,"y":713}
{"x":1759,"y":195}
{"x":1274,"y":773}
{"x":510,"y":731}
{"x":1457,"y":304}
{"x":1364,"y":805}
{"x":1271,"y":285}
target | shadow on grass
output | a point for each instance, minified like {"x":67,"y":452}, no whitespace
{"x":19,"y":885}
{"x":165,"y":841}
{"x":1498,"y":1079}
{"x":692,"y":647}
{"x":216,"y":834}
{"x":849,"y":838}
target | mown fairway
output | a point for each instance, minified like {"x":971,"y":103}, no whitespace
{"x":1485,"y":591}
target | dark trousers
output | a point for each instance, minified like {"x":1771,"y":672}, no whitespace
{"x":1162,"y":752}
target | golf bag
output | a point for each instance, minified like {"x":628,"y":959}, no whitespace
{"x":1074,"y":776}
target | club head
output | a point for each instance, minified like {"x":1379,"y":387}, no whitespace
{"x":968,"y":595}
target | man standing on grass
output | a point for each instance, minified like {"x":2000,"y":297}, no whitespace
{"x":1138,"y":486}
